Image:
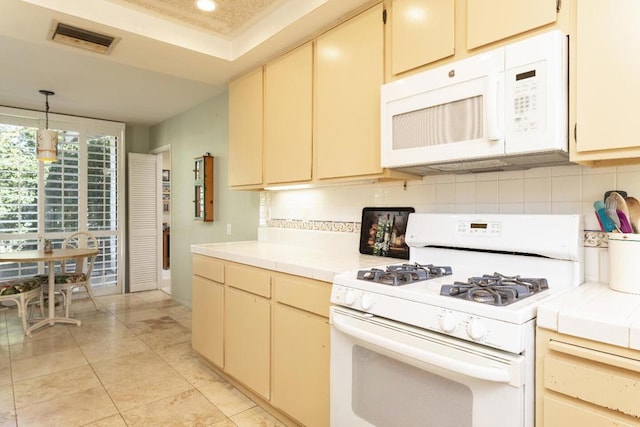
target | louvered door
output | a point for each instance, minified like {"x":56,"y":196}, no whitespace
{"x":145,"y":219}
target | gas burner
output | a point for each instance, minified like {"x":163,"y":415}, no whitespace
{"x":496,"y":289}
{"x":403,"y":274}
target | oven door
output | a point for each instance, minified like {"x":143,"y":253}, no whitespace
{"x":384,"y":373}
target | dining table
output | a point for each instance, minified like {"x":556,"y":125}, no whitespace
{"x":49,"y":259}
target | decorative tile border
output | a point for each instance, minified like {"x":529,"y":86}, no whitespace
{"x":298,"y":224}
{"x":592,"y":239}
{"x":596,"y":239}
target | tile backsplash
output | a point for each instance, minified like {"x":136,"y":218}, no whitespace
{"x":548,"y":190}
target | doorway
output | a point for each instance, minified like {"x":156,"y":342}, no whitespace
{"x":165,"y":201}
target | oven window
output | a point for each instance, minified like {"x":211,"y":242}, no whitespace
{"x":388,"y":392}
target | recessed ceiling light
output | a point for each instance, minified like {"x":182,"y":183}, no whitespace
{"x":206,"y":5}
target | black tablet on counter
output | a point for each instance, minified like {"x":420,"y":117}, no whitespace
{"x":382,"y":231}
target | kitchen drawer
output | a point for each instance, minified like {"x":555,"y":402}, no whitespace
{"x":562,"y":412}
{"x":210,"y":268}
{"x":306,"y":294}
{"x":593,"y":376}
{"x":250,"y":279}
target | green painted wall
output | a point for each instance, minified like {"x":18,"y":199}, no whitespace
{"x":190,"y":134}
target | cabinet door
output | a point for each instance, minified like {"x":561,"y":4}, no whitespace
{"x":422,"y":31}
{"x":245,"y":130}
{"x":247,"y":339}
{"x":207,"y":319}
{"x":349,"y":72}
{"x":608,"y":87}
{"x":492,"y":20}
{"x":287,"y":115}
{"x":301,"y":365}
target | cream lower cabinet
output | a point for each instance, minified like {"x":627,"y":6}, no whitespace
{"x":300,"y":380}
{"x":247,"y":326}
{"x":492,"y":20}
{"x":247,"y":339}
{"x":606,"y":81}
{"x":268,"y":331}
{"x":208,"y":309}
{"x":585,"y":383}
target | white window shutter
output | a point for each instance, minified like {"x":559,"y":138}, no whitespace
{"x":144,"y":222}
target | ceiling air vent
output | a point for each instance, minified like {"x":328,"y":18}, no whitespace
{"x":83,"y":39}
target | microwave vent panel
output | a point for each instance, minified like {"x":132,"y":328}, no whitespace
{"x":491,"y":164}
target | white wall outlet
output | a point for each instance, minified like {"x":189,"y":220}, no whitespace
{"x":228,"y":229}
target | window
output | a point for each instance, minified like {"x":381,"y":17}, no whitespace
{"x":82,"y":191}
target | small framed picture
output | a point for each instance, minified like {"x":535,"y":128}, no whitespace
{"x":166,"y":197}
{"x":166,"y":188}
{"x":165,"y":174}
{"x":165,"y":207}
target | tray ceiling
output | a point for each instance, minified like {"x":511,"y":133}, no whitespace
{"x":230,"y":16}
{"x":169,"y":58}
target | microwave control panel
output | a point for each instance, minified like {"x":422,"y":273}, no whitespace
{"x":526,"y":86}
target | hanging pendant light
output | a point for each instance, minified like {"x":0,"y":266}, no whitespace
{"x":47,"y":140}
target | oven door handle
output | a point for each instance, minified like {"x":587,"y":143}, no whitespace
{"x":481,"y":372}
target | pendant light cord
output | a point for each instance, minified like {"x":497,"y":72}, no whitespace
{"x":46,"y":114}
{"x":46,"y":94}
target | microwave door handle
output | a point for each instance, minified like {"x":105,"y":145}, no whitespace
{"x":481,"y":372}
{"x":493,"y":95}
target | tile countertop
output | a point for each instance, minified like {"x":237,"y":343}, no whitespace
{"x":595,"y":312}
{"x":314,"y":263}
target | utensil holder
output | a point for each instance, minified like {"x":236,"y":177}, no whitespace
{"x":624,"y":265}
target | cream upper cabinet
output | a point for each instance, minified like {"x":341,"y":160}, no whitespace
{"x":492,"y":20}
{"x":349,"y":72}
{"x":287,"y":117}
{"x":422,"y":31}
{"x":607,"y":82}
{"x":245,"y":130}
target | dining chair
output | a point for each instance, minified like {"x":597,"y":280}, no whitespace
{"x":22,"y":291}
{"x":76,"y":273}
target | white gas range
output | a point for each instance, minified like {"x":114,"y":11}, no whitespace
{"x":454,"y":334}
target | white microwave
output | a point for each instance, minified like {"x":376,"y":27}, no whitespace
{"x":499,"y":110}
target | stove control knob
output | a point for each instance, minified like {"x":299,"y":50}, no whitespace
{"x":448,"y":321}
{"x":476,"y":329}
{"x":366,"y":302}
{"x":349,"y":297}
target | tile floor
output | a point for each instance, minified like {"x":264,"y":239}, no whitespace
{"x":129,"y":364}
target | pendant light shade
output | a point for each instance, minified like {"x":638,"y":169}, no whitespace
{"x":47,"y":140}
{"x":47,"y":145}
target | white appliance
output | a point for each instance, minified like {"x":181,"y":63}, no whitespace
{"x":420,"y":354}
{"x":503,"y":109}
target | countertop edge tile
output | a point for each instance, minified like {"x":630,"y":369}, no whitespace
{"x":596,"y":312}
